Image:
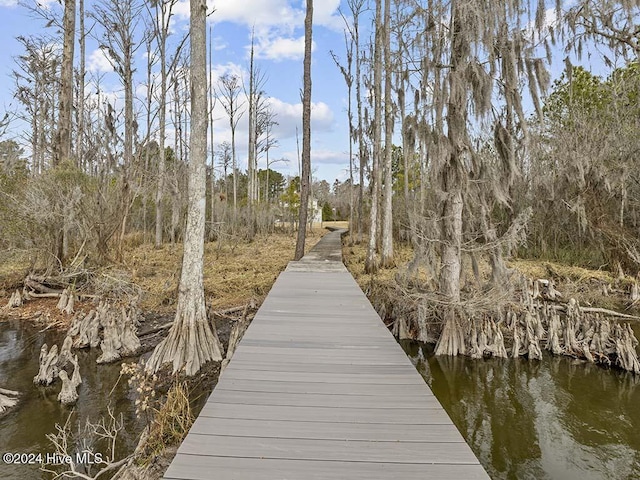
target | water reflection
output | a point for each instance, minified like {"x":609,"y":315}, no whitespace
{"x":555,"y":419}
{"x":24,"y":428}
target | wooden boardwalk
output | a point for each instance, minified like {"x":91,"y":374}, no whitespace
{"x":319,"y":389}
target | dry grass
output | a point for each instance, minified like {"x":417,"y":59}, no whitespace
{"x":234,"y":273}
{"x":585,"y":285}
{"x":170,"y":424}
{"x":356,"y":254}
{"x":545,"y":269}
{"x":14,"y":266}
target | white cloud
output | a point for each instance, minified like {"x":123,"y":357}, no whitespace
{"x":277,"y":24}
{"x":257,"y":13}
{"x":325,"y":13}
{"x":289,"y":115}
{"x":230,"y":69}
{"x":319,"y":158}
{"x":267,"y":13}
{"x":329,"y":157}
{"x":98,"y":62}
{"x":219,"y":43}
{"x":280,"y":48}
{"x":45,"y":4}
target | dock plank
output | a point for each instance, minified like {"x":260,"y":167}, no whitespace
{"x":223,"y":468}
{"x":319,"y":389}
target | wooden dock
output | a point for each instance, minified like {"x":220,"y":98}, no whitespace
{"x":319,"y":389}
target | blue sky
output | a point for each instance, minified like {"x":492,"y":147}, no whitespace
{"x":279,"y":38}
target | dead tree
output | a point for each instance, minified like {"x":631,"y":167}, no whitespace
{"x":386,"y":254}
{"x":49,"y":367}
{"x":192,"y":340}
{"x":372,"y":262}
{"x":229,"y":89}
{"x":63,"y":136}
{"x":305,"y":178}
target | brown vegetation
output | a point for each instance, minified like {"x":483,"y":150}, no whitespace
{"x":234,"y":274}
{"x":567,"y":310}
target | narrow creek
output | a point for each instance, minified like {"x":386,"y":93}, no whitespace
{"x":555,"y":419}
{"x":24,"y":428}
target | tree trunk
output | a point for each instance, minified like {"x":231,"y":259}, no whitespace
{"x":192,"y":341}
{"x":387,"y":213}
{"x":251,"y":148}
{"x":306,"y":134}
{"x":162,"y":120}
{"x":451,"y":246}
{"x":371,"y":262}
{"x":63,"y":141}
{"x":80,"y":157}
{"x":356,"y":7}
{"x":451,"y":185}
{"x":212,"y":101}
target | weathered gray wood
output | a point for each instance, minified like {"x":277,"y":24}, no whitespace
{"x":413,"y":416}
{"x":328,"y":431}
{"x":319,"y":389}
{"x":324,"y":400}
{"x":223,"y":468}
{"x":399,"y":379}
{"x":328,"y":450}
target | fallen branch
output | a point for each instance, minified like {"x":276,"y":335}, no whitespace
{"x":44,"y":295}
{"x":153,"y":331}
{"x":604,"y":311}
{"x":224,"y":313}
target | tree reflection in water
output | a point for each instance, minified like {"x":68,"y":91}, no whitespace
{"x":555,"y":419}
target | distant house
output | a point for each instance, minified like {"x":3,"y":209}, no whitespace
{"x":315,"y":211}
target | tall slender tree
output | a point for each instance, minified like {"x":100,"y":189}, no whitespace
{"x":389,"y":120}
{"x":63,"y":140}
{"x":230,"y":91}
{"x":163,"y":14}
{"x":482,"y":41}
{"x":372,"y":262}
{"x":347,"y":74}
{"x":305,"y":180}
{"x":192,"y":340}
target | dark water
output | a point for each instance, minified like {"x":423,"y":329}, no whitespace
{"x":23,"y":429}
{"x":556,"y":419}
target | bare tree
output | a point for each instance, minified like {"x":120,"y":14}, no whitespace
{"x":192,"y":340}
{"x":387,"y":210}
{"x":80,"y":94}
{"x":230,"y":91}
{"x":356,"y":7}
{"x":306,"y":134}
{"x":163,"y":14}
{"x":119,"y":21}
{"x":256,"y":99}
{"x":372,"y":262}
{"x":62,"y":146}
{"x":36,"y":70}
{"x":347,"y":74}
{"x":265,"y":121}
{"x":63,"y":137}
